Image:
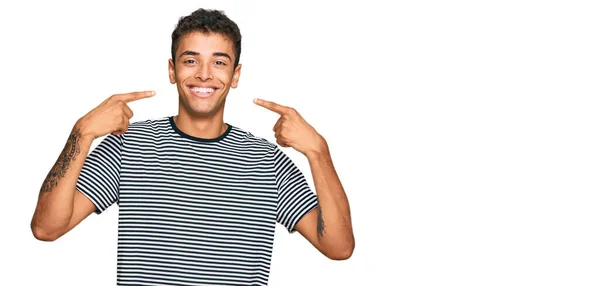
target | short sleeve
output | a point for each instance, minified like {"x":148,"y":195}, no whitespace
{"x":100,"y":176}
{"x":295,"y":197}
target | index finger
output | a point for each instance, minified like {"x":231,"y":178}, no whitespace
{"x":132,"y":96}
{"x":271,"y":106}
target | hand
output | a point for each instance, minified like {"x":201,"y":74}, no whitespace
{"x":291,"y":130}
{"x":111,"y":116}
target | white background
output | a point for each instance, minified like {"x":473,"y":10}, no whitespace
{"x":465,"y":134}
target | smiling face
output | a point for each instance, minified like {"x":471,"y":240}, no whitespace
{"x":203,"y":69}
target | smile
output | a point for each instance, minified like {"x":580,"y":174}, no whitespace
{"x":202,"y":92}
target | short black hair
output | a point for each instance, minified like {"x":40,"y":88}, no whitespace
{"x":207,"y":21}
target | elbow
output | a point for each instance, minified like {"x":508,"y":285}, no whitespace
{"x":341,"y":253}
{"x":42,"y":234}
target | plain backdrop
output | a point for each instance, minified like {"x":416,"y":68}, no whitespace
{"x":465,"y":132}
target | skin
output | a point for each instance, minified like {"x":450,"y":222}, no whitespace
{"x":328,"y":227}
{"x":60,"y":207}
{"x":203,"y":60}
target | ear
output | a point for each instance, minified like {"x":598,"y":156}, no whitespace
{"x":236,"y":75}
{"x":172,"y":72}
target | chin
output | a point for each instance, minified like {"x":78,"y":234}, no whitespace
{"x":203,"y":110}
{"x":201,"y":107}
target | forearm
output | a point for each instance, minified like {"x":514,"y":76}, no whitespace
{"x":334,"y":226}
{"x":55,"y":201}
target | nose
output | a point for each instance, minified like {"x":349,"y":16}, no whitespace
{"x":203,"y":72}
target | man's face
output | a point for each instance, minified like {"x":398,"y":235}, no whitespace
{"x":203,"y":71}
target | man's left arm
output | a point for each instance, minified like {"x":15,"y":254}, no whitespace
{"x":328,"y":227}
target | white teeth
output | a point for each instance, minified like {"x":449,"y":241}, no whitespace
{"x":203,"y":89}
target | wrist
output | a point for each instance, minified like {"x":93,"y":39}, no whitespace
{"x":319,"y":149}
{"x":81,"y":132}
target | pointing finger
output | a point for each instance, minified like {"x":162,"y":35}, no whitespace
{"x":129,"y":97}
{"x":139,"y":95}
{"x":271,"y":106}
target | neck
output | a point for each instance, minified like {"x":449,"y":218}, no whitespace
{"x":200,"y":127}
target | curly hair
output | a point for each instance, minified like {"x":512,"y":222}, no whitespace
{"x":207,"y":21}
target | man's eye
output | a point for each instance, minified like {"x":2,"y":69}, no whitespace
{"x":189,"y":61}
{"x":220,"y":63}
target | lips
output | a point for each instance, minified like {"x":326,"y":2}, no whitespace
{"x":202,"y":91}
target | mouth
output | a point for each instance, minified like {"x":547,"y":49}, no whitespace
{"x":202,"y":92}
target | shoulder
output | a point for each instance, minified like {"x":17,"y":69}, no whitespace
{"x":148,"y":127}
{"x":247,"y":139}
{"x":149,"y":124}
{"x":145,"y":131}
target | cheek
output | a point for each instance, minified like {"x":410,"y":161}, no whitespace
{"x":181,"y":80}
{"x":183,"y":73}
{"x":225,"y":76}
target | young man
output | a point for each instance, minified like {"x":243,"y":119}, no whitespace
{"x":198,"y":198}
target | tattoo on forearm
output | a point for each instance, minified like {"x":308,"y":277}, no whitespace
{"x":320,"y":223}
{"x":61,"y":166}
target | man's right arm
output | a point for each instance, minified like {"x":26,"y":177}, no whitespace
{"x":60,"y":205}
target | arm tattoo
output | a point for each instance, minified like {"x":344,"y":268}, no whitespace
{"x":320,"y":223}
{"x":61,"y":166}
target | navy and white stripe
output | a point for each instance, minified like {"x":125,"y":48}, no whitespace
{"x":194,"y":211}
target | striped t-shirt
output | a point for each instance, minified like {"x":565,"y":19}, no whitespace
{"x":194,"y":211}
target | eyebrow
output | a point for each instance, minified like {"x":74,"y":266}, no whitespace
{"x":216,"y":54}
